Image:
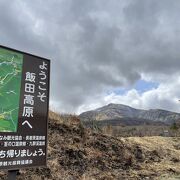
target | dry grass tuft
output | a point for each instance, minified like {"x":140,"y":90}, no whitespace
{"x":67,"y":119}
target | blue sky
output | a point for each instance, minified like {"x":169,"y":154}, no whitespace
{"x":141,"y":86}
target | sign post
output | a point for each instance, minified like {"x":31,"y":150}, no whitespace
{"x":24,"y":103}
{"x":12,"y":174}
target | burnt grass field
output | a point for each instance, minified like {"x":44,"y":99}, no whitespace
{"x":76,"y":152}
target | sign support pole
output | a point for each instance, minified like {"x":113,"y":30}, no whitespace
{"x":12,"y":174}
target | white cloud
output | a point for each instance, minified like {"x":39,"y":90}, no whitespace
{"x":165,"y":96}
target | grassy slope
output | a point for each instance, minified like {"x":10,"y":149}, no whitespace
{"x":79,"y":153}
{"x":167,"y":152}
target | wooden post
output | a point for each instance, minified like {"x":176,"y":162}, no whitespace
{"x":12,"y":174}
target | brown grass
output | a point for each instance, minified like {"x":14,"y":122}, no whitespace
{"x":75,"y":152}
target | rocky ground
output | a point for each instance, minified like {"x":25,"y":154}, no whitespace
{"x":79,"y":153}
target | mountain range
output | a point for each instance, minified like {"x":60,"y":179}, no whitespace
{"x":119,"y":114}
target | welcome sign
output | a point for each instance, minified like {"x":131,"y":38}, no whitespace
{"x":24,"y":103}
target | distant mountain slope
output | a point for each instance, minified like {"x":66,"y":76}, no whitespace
{"x":120,"y":112}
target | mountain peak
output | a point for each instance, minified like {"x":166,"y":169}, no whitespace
{"x":111,"y":104}
{"x":114,"y":111}
{"x":114,"y":105}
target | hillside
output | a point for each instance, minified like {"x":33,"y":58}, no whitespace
{"x":122,"y":114}
{"x":77,"y":153}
